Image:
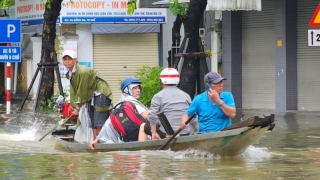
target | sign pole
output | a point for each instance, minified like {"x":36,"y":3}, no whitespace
{"x":11,"y":34}
{"x":8,"y":88}
{"x":8,"y":85}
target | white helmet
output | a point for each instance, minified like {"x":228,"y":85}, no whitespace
{"x":170,"y":76}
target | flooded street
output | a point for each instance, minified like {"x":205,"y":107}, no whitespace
{"x":290,"y":151}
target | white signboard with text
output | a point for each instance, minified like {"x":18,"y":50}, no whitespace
{"x":314,"y":37}
{"x":109,"y":11}
{"x":30,"y":12}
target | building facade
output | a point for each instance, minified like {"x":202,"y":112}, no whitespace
{"x":105,"y":37}
{"x":267,"y":59}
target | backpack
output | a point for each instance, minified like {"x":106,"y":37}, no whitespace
{"x":126,"y":120}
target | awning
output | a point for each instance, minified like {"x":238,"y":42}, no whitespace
{"x":221,"y":5}
{"x":165,"y":3}
{"x":124,"y":28}
{"x":37,"y":29}
{"x":234,"y":5}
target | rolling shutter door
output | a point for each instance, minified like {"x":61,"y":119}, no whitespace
{"x":308,"y":59}
{"x":258,"y":58}
{"x":116,"y":56}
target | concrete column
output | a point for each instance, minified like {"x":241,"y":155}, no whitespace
{"x":286,"y":54}
{"x":32,"y":65}
{"x":215,"y":42}
{"x":85,"y":49}
{"x":232,"y":53}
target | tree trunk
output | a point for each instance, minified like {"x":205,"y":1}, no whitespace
{"x":190,"y":68}
{"x":52,"y":11}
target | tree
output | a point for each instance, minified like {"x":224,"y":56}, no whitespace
{"x":6,"y":3}
{"x":48,"y":53}
{"x":192,"y":71}
{"x":51,"y":13}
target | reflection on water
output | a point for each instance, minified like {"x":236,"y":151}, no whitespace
{"x":290,"y":151}
{"x":130,"y":165}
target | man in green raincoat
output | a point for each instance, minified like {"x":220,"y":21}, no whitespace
{"x":90,"y":94}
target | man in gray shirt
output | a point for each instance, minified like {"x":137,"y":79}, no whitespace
{"x":173,"y":102}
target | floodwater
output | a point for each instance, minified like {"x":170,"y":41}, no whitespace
{"x":290,"y":151}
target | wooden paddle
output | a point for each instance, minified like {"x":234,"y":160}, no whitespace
{"x":55,"y":126}
{"x":177,"y":132}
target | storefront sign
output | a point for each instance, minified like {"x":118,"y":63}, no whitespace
{"x":109,"y":11}
{"x":30,"y":12}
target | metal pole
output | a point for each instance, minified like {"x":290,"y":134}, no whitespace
{"x":15,"y":79}
{"x":29,"y":89}
{"x":39,"y":87}
{"x":8,"y":95}
{"x":56,"y":67}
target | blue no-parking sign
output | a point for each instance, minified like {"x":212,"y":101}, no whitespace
{"x":11,"y":32}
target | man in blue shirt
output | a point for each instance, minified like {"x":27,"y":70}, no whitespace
{"x":214,"y":107}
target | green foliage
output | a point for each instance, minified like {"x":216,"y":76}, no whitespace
{"x":66,"y":92}
{"x":49,"y":2}
{"x":48,"y":106}
{"x":149,"y":76}
{"x":6,"y":3}
{"x":208,"y":53}
{"x":178,"y":9}
{"x":132,"y":6}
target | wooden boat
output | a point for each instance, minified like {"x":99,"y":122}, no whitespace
{"x":228,"y":142}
